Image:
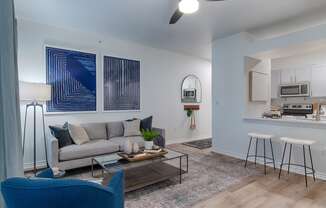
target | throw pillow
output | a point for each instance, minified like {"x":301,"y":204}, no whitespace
{"x":78,"y":134}
{"x":131,"y":128}
{"x":146,"y":123}
{"x":62,"y":134}
{"x":114,"y":129}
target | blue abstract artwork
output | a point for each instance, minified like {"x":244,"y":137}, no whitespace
{"x":121,"y":84}
{"x":72,"y":75}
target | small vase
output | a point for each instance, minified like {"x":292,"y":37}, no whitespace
{"x":135,"y":147}
{"x":149,"y":145}
{"x":127,"y":148}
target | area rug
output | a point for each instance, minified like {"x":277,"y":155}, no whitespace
{"x":200,"y":144}
{"x":209,"y":173}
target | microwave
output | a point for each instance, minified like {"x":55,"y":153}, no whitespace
{"x":295,"y":90}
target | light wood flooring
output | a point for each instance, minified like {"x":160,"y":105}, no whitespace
{"x":270,"y":192}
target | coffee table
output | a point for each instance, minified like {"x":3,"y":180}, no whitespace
{"x":143,"y":173}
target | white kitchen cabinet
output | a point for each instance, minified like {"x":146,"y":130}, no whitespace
{"x":275,"y":83}
{"x":288,"y":76}
{"x":258,"y":87}
{"x":318,"y":81}
{"x":303,"y":75}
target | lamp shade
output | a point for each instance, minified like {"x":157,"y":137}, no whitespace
{"x":34,"y":91}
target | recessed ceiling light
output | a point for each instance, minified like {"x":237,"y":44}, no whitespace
{"x":188,"y":6}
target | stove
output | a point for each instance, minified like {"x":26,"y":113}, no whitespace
{"x":297,"y":109}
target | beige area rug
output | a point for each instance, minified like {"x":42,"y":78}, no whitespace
{"x":209,"y":173}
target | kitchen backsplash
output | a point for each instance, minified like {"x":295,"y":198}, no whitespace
{"x":281,"y":101}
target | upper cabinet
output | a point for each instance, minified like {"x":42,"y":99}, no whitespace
{"x":275,"y":83}
{"x":290,"y":76}
{"x":287,"y":76}
{"x":303,"y":75}
{"x":318,"y":81}
{"x":258,"y":87}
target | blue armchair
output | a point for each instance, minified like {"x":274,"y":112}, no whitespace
{"x":45,"y":192}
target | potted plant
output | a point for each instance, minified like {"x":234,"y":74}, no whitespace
{"x":149,"y":136}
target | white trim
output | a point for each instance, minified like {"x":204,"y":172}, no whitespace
{"x":102,"y":83}
{"x":30,"y":166}
{"x":79,"y":49}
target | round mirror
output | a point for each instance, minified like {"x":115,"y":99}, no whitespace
{"x":191,"y":89}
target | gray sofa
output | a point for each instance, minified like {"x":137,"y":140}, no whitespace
{"x":105,"y":138}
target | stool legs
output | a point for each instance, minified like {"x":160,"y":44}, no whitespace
{"x":305,"y":165}
{"x":256,"y":151}
{"x":312,"y":164}
{"x":264,"y":157}
{"x":290,"y":159}
{"x":279,"y":175}
{"x":304,"y":162}
{"x":264,"y":153}
{"x":270,"y":141}
{"x":248,"y":152}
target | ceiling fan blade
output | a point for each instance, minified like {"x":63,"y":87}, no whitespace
{"x":175,"y":17}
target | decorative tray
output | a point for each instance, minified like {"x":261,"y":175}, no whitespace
{"x":143,"y":155}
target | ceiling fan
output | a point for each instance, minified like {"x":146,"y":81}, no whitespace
{"x":186,"y":7}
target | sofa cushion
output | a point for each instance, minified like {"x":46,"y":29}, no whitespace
{"x":122,"y":140}
{"x":95,"y":130}
{"x":92,"y":148}
{"x":131,"y":128}
{"x":114,"y":129}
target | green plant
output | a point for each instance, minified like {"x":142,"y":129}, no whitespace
{"x":149,"y":135}
{"x":189,"y":112}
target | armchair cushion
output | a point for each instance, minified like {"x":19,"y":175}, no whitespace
{"x":63,"y":193}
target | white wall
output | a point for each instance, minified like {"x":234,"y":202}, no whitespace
{"x":161,"y":75}
{"x":300,"y":61}
{"x":230,"y":129}
{"x":264,"y":66}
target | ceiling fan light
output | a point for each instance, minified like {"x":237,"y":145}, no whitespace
{"x":188,"y":6}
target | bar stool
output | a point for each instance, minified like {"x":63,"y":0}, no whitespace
{"x":304,"y":143}
{"x":262,"y":137}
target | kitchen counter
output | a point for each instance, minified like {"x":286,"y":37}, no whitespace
{"x":289,"y":120}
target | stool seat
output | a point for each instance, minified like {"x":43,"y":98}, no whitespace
{"x":260,"y":136}
{"x":297,"y":141}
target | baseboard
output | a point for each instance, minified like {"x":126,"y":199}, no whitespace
{"x":39,"y":165}
{"x":319,"y":175}
{"x":182,"y":140}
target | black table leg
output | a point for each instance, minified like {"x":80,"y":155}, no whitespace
{"x":92,"y":168}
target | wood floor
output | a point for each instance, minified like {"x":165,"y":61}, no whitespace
{"x":269,"y":192}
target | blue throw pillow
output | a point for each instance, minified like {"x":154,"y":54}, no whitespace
{"x":146,"y":123}
{"x":62,"y":134}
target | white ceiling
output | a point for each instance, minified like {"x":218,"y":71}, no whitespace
{"x":146,"y":21}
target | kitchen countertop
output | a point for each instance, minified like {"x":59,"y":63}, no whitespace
{"x":291,"y":120}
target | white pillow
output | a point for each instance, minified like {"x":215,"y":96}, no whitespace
{"x":78,"y":134}
{"x":131,"y":128}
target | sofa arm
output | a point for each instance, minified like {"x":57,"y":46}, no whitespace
{"x":52,"y":147}
{"x":160,"y":140}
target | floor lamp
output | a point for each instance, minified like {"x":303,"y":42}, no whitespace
{"x":35,"y":94}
